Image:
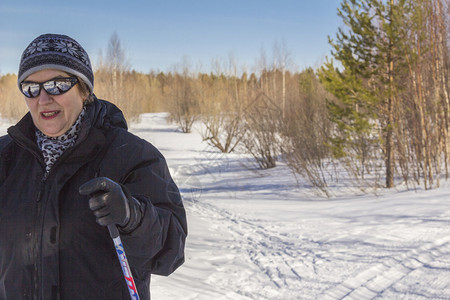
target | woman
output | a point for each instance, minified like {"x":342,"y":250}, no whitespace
{"x":68,"y":170}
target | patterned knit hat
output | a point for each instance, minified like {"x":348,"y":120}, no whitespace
{"x":60,"y":52}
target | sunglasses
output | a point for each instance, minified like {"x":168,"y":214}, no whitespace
{"x":56,"y":86}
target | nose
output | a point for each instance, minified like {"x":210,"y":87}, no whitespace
{"x":44,"y":98}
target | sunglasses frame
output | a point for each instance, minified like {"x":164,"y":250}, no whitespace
{"x":73,"y":82}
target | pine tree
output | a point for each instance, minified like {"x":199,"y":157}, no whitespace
{"x":365,"y":82}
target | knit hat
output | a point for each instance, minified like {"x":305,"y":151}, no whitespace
{"x":55,"y":51}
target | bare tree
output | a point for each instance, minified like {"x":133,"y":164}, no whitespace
{"x":262,"y":131}
{"x":281,"y":61}
{"x":114,"y":78}
{"x":306,"y":130}
{"x":184,"y":97}
{"x":117,"y":63}
{"x":222,"y":106}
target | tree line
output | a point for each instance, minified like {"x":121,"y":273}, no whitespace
{"x":376,"y":111}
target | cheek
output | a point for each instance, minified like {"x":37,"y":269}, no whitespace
{"x":74,"y":108}
{"x":31,"y":105}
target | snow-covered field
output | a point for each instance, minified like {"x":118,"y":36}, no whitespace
{"x":266,"y":235}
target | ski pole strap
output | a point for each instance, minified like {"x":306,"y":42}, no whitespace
{"x":123,"y":262}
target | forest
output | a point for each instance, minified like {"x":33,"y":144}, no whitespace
{"x":375,"y":111}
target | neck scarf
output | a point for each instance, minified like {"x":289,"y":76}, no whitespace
{"x":53,"y":147}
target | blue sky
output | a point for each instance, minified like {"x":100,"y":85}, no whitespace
{"x":157,"y":35}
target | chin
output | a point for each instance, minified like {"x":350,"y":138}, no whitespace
{"x":50,"y":133}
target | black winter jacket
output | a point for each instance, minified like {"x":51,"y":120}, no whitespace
{"x":50,"y":244}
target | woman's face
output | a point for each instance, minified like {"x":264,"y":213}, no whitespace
{"x":54,"y":114}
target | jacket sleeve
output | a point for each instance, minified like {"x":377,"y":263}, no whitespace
{"x":157,"y":244}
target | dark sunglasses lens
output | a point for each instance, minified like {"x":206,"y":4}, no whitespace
{"x":57,"y":86}
{"x":30,"y":89}
{"x":53,"y":87}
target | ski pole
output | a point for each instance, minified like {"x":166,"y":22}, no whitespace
{"x":114,"y":233}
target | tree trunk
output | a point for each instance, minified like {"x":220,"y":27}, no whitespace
{"x":390,"y":119}
{"x":390,"y":144}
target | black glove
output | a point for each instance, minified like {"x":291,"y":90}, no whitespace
{"x":112,"y":203}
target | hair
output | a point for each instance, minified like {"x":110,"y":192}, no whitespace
{"x":84,"y":91}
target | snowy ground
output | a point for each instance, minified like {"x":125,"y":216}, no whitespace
{"x":263,"y":235}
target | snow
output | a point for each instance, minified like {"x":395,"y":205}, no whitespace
{"x":265,"y":234}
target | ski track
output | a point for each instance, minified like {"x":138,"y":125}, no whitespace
{"x":289,"y":264}
{"x":295,"y":268}
{"x":374,"y":282}
{"x":272,"y":257}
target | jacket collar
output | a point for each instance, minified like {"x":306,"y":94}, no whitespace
{"x":23,"y":133}
{"x":104,"y":114}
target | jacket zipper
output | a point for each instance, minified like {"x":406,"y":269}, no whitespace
{"x":40,"y":223}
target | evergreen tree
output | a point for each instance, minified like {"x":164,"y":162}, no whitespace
{"x":365,"y":83}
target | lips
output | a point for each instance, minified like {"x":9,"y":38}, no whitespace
{"x":47,"y":115}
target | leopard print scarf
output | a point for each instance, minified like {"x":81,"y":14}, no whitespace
{"x":53,"y":147}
